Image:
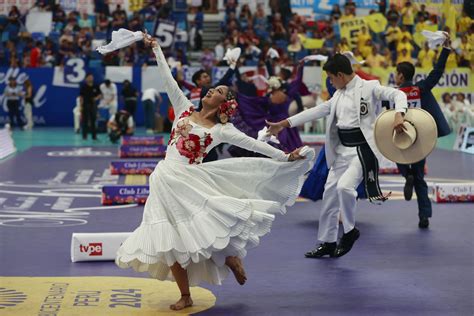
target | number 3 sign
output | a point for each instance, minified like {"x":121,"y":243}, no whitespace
{"x":165,"y":32}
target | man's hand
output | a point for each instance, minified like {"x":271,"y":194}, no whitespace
{"x":295,"y":155}
{"x":275,"y":128}
{"x":398,"y":123}
{"x":447,"y":41}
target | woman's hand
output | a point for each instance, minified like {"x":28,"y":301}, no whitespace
{"x":149,"y":40}
{"x":275,"y":128}
{"x":295,"y":155}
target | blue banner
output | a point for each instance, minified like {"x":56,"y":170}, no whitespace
{"x":325,"y":6}
{"x":56,"y":89}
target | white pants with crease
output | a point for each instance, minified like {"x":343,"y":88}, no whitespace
{"x":340,"y":194}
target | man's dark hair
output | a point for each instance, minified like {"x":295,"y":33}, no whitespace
{"x":285,"y":74}
{"x":407,"y":70}
{"x":107,"y":82}
{"x":197,"y":75}
{"x":338,"y":63}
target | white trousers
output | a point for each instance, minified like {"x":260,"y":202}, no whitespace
{"x":77,"y":117}
{"x":28,"y":112}
{"x":340,"y":195}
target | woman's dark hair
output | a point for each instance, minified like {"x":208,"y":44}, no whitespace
{"x":338,"y":63}
{"x":407,"y":70}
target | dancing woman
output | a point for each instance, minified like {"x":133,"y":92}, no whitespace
{"x":200,"y":219}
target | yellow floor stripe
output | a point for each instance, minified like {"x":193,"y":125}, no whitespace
{"x":135,"y":179}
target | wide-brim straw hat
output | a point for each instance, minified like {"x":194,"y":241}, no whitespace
{"x":412,"y":145}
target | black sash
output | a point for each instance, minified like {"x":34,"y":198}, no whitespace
{"x":354,"y":138}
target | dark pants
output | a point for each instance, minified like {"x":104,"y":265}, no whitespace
{"x":89,"y":117}
{"x":421,"y":188}
{"x":131,"y":106}
{"x":149,"y":109}
{"x":14,"y":112}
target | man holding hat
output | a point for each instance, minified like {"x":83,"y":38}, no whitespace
{"x":351,"y":153}
{"x":420,"y":96}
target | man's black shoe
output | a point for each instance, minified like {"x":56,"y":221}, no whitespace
{"x":408,"y":188}
{"x":324,"y":249}
{"x":424,"y":222}
{"x":347,"y":241}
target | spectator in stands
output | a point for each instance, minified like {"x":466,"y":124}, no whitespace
{"x":362,"y":37}
{"x":294,"y":47}
{"x":28,"y":105}
{"x":85,"y":22}
{"x":89,"y":95}
{"x":464,"y":22}
{"x":392,"y":14}
{"x":449,"y":111}
{"x":408,"y":16}
{"x":405,"y":44}
{"x":130,"y":95}
{"x":465,"y":53}
{"x":14,"y":23}
{"x":403,"y":56}
{"x":108,"y":91}
{"x":151,"y":99}
{"x":102,"y":23}
{"x":464,"y":109}
{"x":207,"y":59}
{"x":14,"y":94}
{"x":278,"y":31}
{"x":119,"y":124}
{"x":426,"y":57}
{"x":101,"y":7}
{"x":35,"y":54}
{"x":197,"y":26}
{"x":129,"y":56}
{"x":422,"y":24}
{"x":335,"y":12}
{"x":366,"y":49}
{"x":382,"y":6}
{"x":245,"y":16}
{"x":260,"y":22}
{"x":375,"y":60}
{"x":422,"y":14}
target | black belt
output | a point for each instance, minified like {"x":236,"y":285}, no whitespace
{"x":355,"y":138}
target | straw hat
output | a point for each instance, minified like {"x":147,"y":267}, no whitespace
{"x":413,"y":144}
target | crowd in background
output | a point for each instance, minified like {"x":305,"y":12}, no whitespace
{"x":74,"y":34}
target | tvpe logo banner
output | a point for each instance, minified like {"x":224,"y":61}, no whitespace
{"x":96,"y":246}
{"x":92,"y":249}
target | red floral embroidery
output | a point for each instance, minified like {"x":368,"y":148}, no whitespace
{"x":189,"y":145}
{"x":187,"y":113}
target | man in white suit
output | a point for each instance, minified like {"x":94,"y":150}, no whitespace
{"x":351,"y":153}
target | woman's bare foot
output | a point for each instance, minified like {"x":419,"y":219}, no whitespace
{"x":235,"y":264}
{"x":183,"y":302}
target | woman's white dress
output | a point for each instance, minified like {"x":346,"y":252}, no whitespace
{"x":198,"y":214}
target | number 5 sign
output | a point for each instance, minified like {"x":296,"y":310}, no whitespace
{"x":165,"y":32}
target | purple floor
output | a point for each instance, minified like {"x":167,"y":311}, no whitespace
{"x":394,"y":268}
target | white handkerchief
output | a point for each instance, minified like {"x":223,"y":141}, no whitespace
{"x":264,"y":137}
{"x":434,"y":39}
{"x":232,"y":55}
{"x":304,"y":151}
{"x":316,"y":57}
{"x":351,"y":57}
{"x":273,"y":53}
{"x":120,"y":39}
